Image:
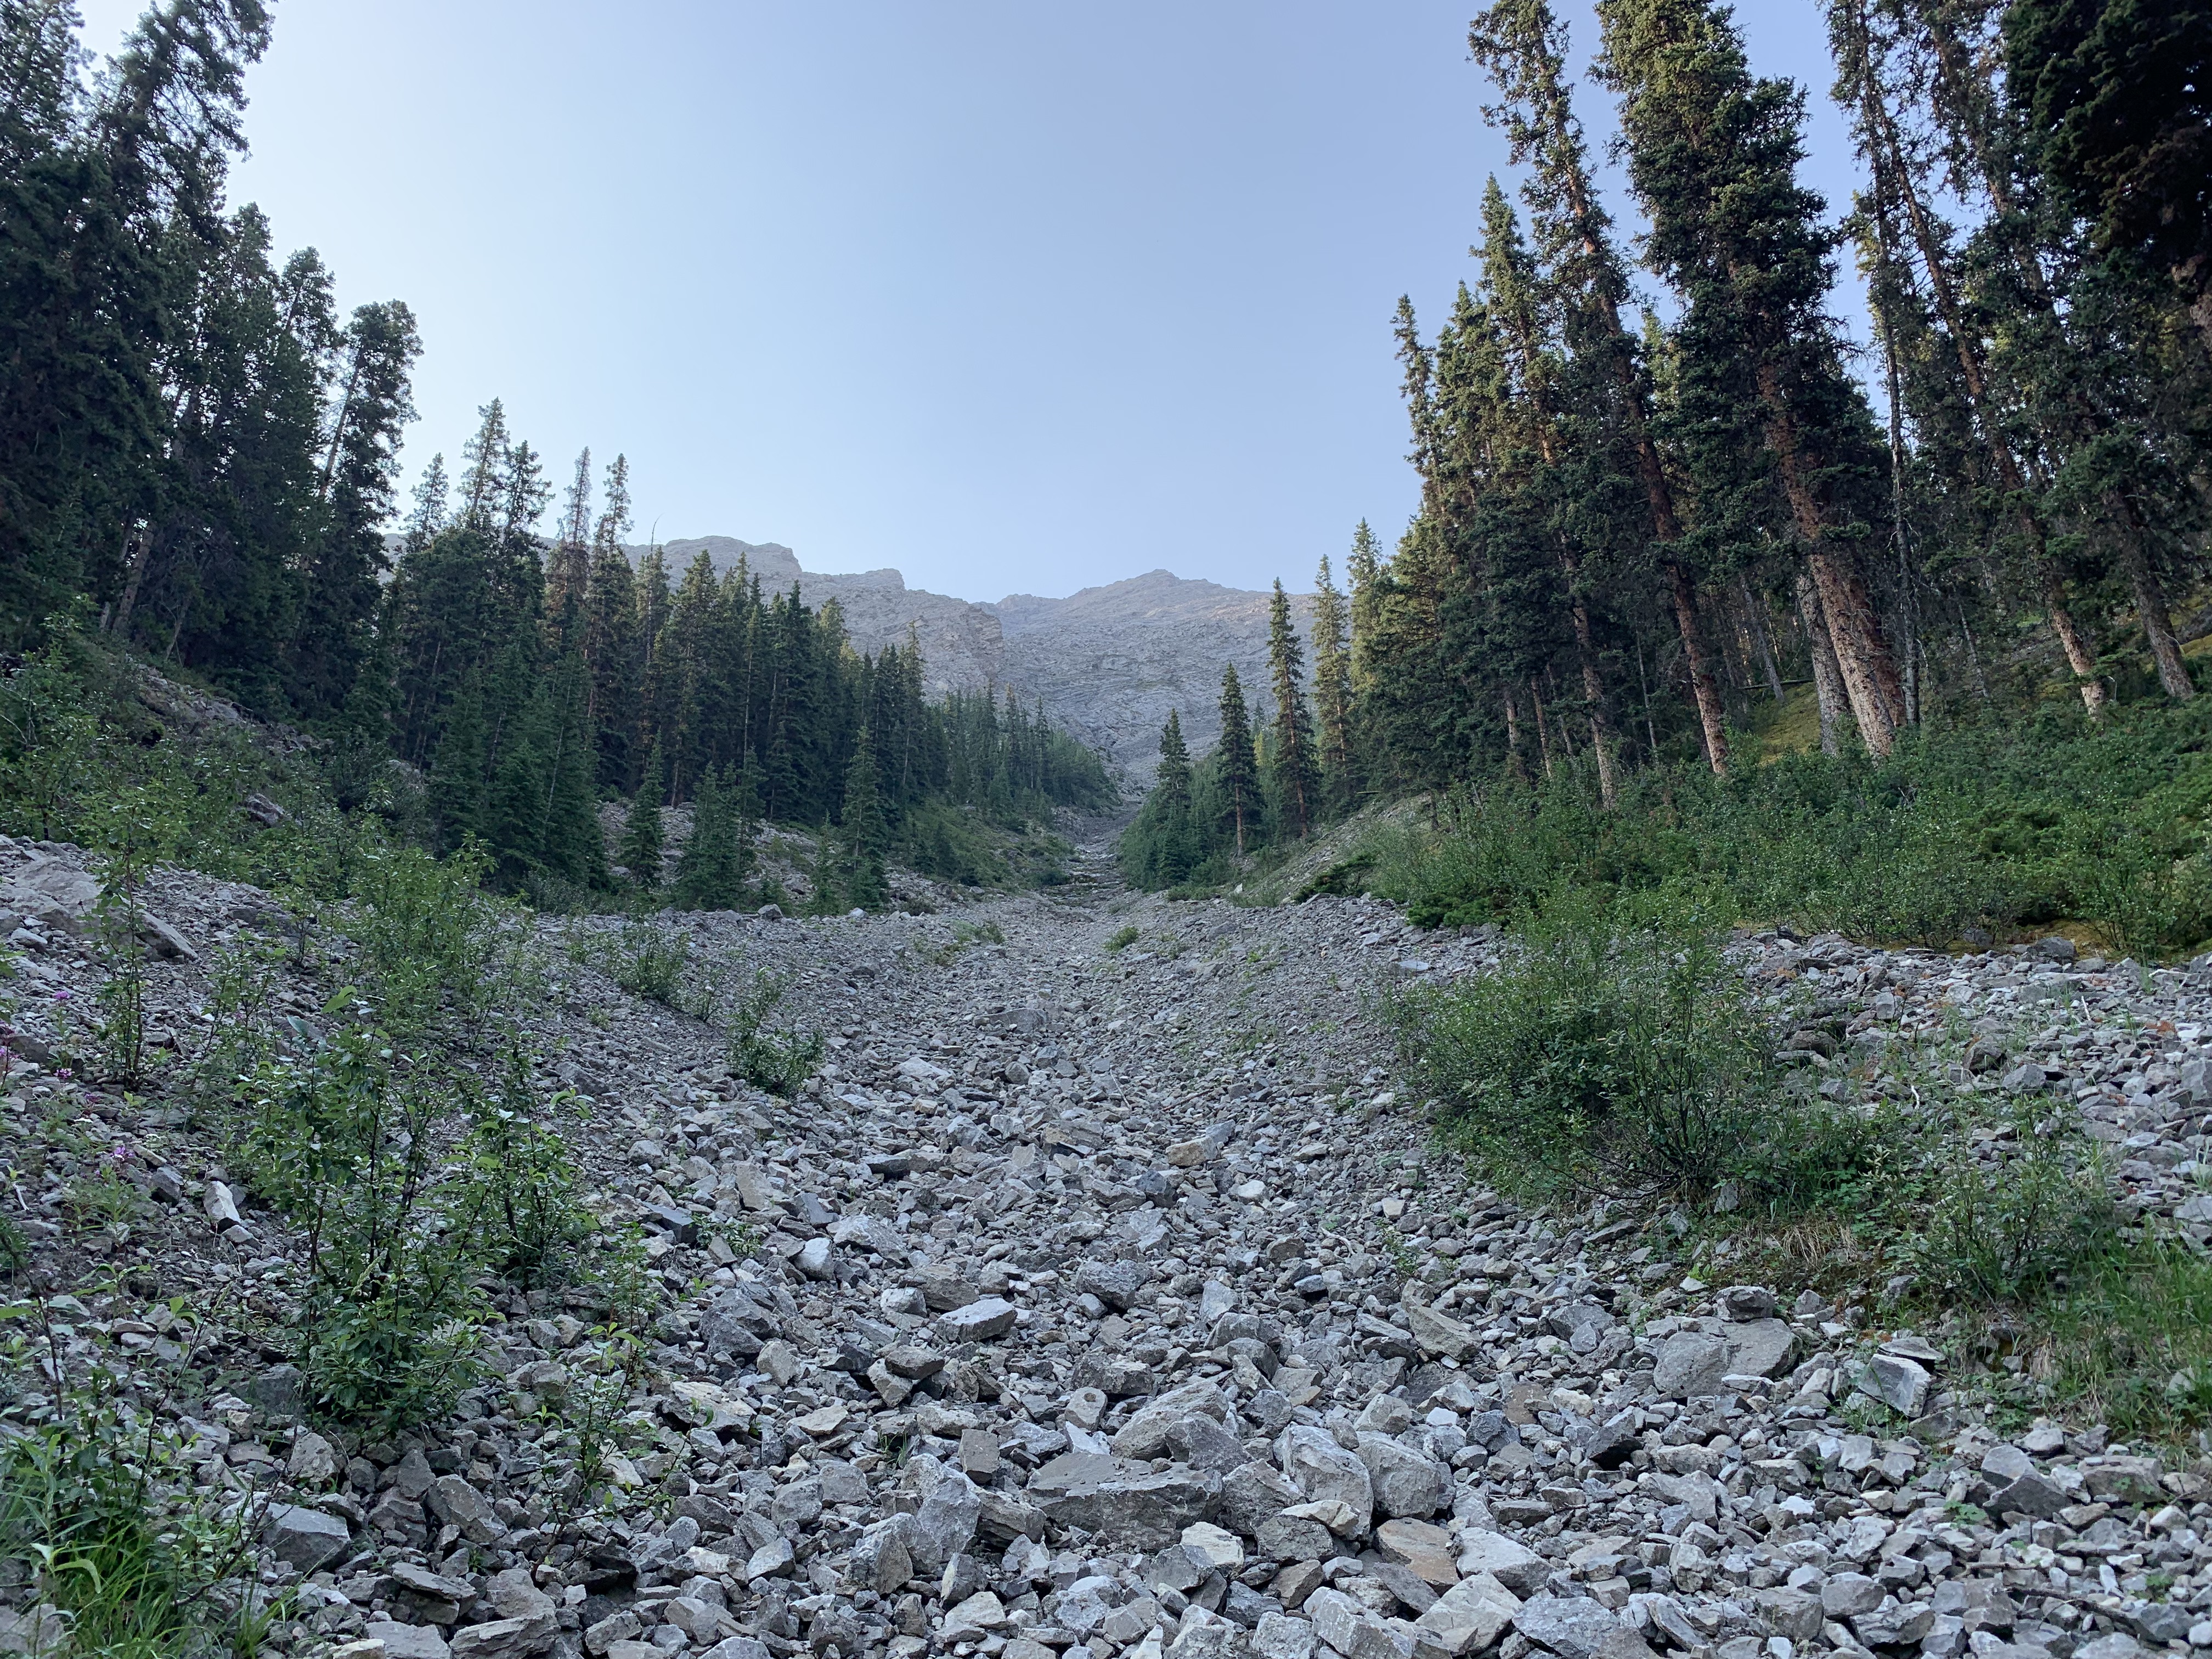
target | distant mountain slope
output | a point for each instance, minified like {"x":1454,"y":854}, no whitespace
{"x":1108,"y":662}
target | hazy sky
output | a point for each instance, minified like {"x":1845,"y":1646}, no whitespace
{"x":1017,"y":297}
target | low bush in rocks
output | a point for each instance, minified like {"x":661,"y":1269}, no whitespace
{"x":1618,"y":1053}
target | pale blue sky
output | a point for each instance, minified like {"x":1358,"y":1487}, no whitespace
{"x":1017,"y":297}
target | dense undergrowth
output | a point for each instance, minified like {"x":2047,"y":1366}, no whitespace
{"x":1617,"y":1053}
{"x":2032,"y":820}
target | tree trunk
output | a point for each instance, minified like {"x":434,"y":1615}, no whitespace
{"x":1752,"y":608}
{"x":1855,"y":635}
{"x":1666,"y":527}
{"x":1828,"y":678}
{"x":1601,"y":720}
{"x":142,"y":551}
{"x":1703,"y":687}
{"x":1543,"y":727}
{"x":1870,"y":675}
{"x":2150,"y":604}
{"x":1513,"y":738}
{"x":2081,"y":656}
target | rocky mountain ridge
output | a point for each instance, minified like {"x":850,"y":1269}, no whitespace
{"x":1108,"y":662}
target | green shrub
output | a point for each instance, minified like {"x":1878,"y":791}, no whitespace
{"x":2032,"y":818}
{"x":534,"y":1226}
{"x":358,"y":1142}
{"x":103,"y":1516}
{"x":779,"y":1061}
{"x":1620,"y":1054}
{"x":1121,"y":939}
{"x":2012,"y":1229}
{"x":649,"y":960}
{"x":432,"y":946}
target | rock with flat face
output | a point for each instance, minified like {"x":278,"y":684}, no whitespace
{"x":1114,"y":1283}
{"x":407,"y":1641}
{"x":1424,"y":1549}
{"x":1279,"y":1636}
{"x":305,"y":1538}
{"x":505,"y":1638}
{"x":1146,"y":1433}
{"x":1760,"y":1347}
{"x":1513,"y":1565}
{"x":1323,"y":1470}
{"x":1405,"y":1483}
{"x":1438,"y":1333}
{"x":1691,"y":1363}
{"x":1471,"y":1615}
{"x":1145,"y":1511}
{"x":1901,"y":1384}
{"x":1575,"y":1627}
{"x":985,"y":1321}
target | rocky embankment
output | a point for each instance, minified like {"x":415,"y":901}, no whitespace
{"x":1095,"y":1304}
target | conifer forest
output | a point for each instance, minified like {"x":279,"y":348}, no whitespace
{"x":199,"y":460}
{"x":1684,"y":544}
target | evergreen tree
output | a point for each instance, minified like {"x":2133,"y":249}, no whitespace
{"x":1295,"y":776}
{"x":643,"y":843}
{"x":710,"y":873}
{"x":1523,"y":48}
{"x":1713,"y":154}
{"x":1333,"y":693}
{"x":2120,"y":98}
{"x":1178,"y":851}
{"x":569,"y":571}
{"x":1237,"y":773}
{"x":457,"y":775}
{"x":360,"y":468}
{"x":862,"y":838}
{"x":609,"y":631}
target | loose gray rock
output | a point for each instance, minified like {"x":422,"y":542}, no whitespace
{"x":304,"y":1539}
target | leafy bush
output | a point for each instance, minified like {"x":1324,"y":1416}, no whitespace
{"x":2030,"y":819}
{"x":103,"y":1516}
{"x":353,"y":1140}
{"x":1121,"y":939}
{"x":1620,"y":1054}
{"x":779,"y":1061}
{"x":649,"y":960}
{"x":2012,"y":1229}
{"x":432,"y":946}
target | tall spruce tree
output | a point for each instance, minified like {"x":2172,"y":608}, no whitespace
{"x":1713,"y":156}
{"x":1235,"y":771}
{"x":1333,"y":704}
{"x":862,"y":835}
{"x":342,"y":579}
{"x":1173,"y":849}
{"x":644,"y":843}
{"x":456,"y":794}
{"x":1297,"y":778}
{"x":1523,"y":46}
{"x":710,"y":871}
